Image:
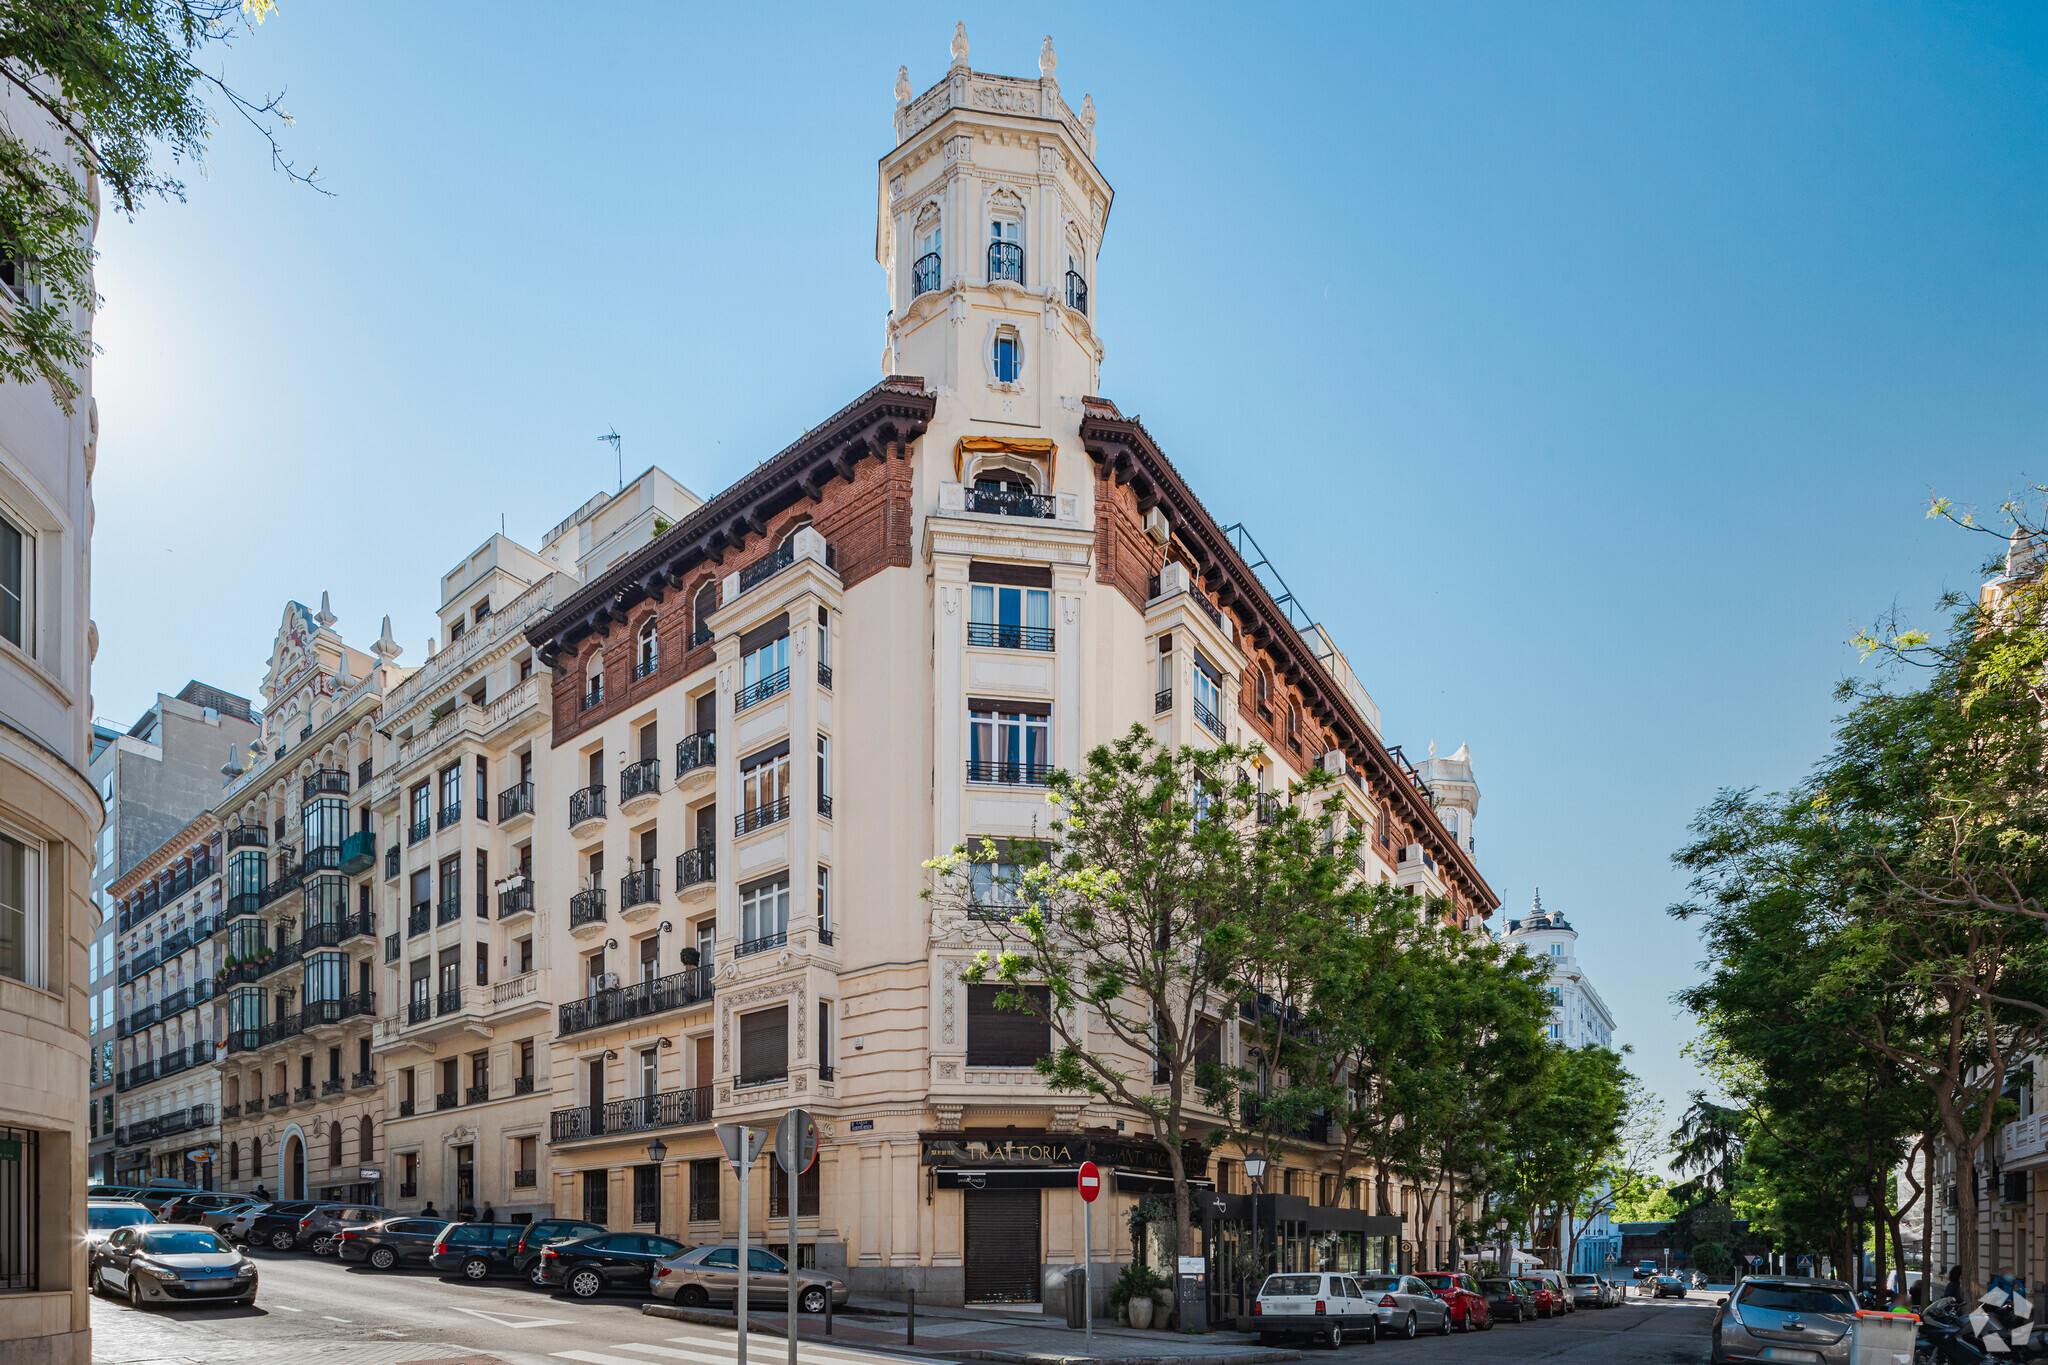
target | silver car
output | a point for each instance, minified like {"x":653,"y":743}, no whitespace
{"x":1586,"y":1290}
{"x":155,"y":1263}
{"x":1781,"y":1317}
{"x":1405,"y":1305}
{"x":103,"y":1217}
{"x":707,"y":1274}
{"x":219,"y":1219}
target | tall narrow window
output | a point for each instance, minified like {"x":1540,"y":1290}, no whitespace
{"x":1008,"y":358}
{"x":925,"y":267}
{"x":825,"y":899}
{"x":17,"y":569}
{"x":649,"y":656}
{"x":764,"y":912}
{"x":21,"y":910}
{"x":1005,"y":251}
{"x":825,"y":774}
{"x":1009,"y":742}
{"x":1008,"y":618}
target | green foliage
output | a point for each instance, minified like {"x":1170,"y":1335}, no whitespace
{"x":1134,"y":1281}
{"x":120,"y":82}
{"x":1647,"y":1201}
{"x":1713,"y":1260}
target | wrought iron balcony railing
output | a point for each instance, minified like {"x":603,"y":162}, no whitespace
{"x":640,"y":779}
{"x":695,"y":866}
{"x":586,"y":907}
{"x":994,"y":636}
{"x":1005,"y":261}
{"x":760,"y":817}
{"x":1012,"y":502}
{"x":587,"y":804}
{"x":639,"y":1000}
{"x":640,"y":1114}
{"x":695,"y":751}
{"x":774,"y":683}
{"x":640,"y":887}
{"x":924,"y":274}
{"x":517,"y":901}
{"x":515,"y":800}
{"x":1077,"y":292}
{"x":762,"y":944}
{"x":767,"y":566}
{"x":1008,"y":774}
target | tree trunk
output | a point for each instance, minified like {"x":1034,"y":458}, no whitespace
{"x":1927,"y":1225}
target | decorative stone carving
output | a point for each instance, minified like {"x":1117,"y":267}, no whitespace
{"x":1066,"y":1118}
{"x":960,"y":43}
{"x":1048,"y":60}
{"x":949,"y":980}
{"x":946,"y":1117}
{"x":903,"y":91}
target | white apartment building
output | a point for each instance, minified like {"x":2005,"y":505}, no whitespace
{"x":1578,"y":1016}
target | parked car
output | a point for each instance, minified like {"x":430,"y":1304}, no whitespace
{"x":478,"y":1250}
{"x":318,"y":1227}
{"x":1507,"y":1301}
{"x":157,"y":1263}
{"x":276,"y":1227}
{"x":1772,"y":1315}
{"x":1322,"y":1307}
{"x":103,"y":1216}
{"x":1543,"y":1299}
{"x":588,"y":1266}
{"x":1585,"y":1291}
{"x":127,"y":1192}
{"x":1669,"y":1287}
{"x":188,"y":1208}
{"x":708,"y":1274}
{"x":155,"y":1197}
{"x":243,"y":1223}
{"x":1560,"y":1292}
{"x":218,"y":1220}
{"x":526,"y":1254}
{"x":1645,"y":1269}
{"x":391,"y":1243}
{"x":1468,"y":1306}
{"x":1405,"y":1306}
{"x":1617,"y":1292}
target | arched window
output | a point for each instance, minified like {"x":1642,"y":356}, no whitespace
{"x":700,"y":614}
{"x":1006,"y":242}
{"x":928,"y":246}
{"x":1294,"y":724}
{"x":234,"y":1161}
{"x":334,"y":1144}
{"x":255,"y":1158}
{"x":593,"y":681}
{"x":364,"y":1137}
{"x":648,"y":655}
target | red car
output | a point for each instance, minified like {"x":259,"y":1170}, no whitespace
{"x":1548,"y":1304}
{"x":1461,"y":1292}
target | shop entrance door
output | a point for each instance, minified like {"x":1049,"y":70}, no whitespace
{"x":1002,"y":1240}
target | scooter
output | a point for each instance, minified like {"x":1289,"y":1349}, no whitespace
{"x":1948,"y":1336}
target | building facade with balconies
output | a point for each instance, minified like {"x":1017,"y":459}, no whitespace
{"x":170,"y":911}
{"x":152,"y":780}
{"x":467,"y":1005}
{"x":873,"y":647}
{"x":301,"y":1106}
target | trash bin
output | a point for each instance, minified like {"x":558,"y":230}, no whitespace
{"x":1884,"y":1338}
{"x":1077,"y":1298}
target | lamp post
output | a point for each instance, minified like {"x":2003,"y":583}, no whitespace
{"x":1501,"y":1226}
{"x":657,"y":1152}
{"x":1860,"y":1197}
{"x":1255,"y":1169}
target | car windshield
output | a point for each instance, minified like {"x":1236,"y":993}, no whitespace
{"x":1584,"y":1279}
{"x":1794,"y":1298}
{"x":179,"y":1242}
{"x":1439,"y":1281}
{"x":1293,"y":1284}
{"x":1495,"y":1286}
{"x":114,"y":1216}
{"x":1380,"y":1283}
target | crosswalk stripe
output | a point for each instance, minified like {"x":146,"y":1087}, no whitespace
{"x":596,"y":1358}
{"x":776,"y":1348}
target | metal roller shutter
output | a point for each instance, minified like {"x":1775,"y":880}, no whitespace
{"x":1001,"y":1246}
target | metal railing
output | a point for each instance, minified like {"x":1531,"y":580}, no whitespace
{"x":594,"y":697}
{"x":333,"y":1085}
{"x":448,"y":1001}
{"x":517,"y":901}
{"x":1005,"y":261}
{"x":405,"y":1111}
{"x":446,"y":1101}
{"x":248,"y":836}
{"x":1206,"y":718}
{"x":762,"y":944}
{"x":418,"y":830}
{"x":476,"y":1094}
{"x":391,"y":947}
{"x":774,"y":683}
{"x":696,"y":865}
{"x":450,"y":814}
{"x":640,"y":779}
{"x":524,"y":1180}
{"x":994,"y":636}
{"x":825,"y":805}
{"x":825,"y":676}
{"x":418,"y":1011}
{"x":325,"y":781}
{"x":700,"y":636}
{"x":1162,"y":701}
{"x":1077,"y":292}
{"x":924,"y":274}
{"x":448,"y":911}
{"x":362,"y":1080}
{"x":522,"y":1085}
{"x":1008,"y":774}
{"x":278,"y":1101}
{"x":763,"y":1077}
{"x":304,"y":1094}
{"x":760,"y":817}
{"x":390,"y":863}
{"x":696,"y":751}
{"x":586,"y":907}
{"x":637,"y":1001}
{"x":766,"y":567}
{"x":645,"y":668}
{"x":587,"y":804}
{"x":1012,"y":502}
{"x":515,"y":800}
{"x":641,"y":1113}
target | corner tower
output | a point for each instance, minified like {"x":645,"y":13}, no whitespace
{"x":990,"y":218}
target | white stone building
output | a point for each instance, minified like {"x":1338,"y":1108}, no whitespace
{"x":1578,"y":1016}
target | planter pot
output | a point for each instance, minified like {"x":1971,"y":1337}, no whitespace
{"x":1141,"y":1313}
{"x":1162,"y":1310}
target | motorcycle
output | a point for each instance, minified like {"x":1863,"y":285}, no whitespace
{"x":1948,"y":1336}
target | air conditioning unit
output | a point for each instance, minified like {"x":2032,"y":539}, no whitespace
{"x":609,"y":981}
{"x":1157,"y":527}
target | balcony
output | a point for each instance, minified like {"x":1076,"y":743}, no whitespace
{"x":362,"y":1080}
{"x":517,"y":901}
{"x":594,"y":697}
{"x":638,"y":781}
{"x":641,"y":887}
{"x":136,"y":1021}
{"x":1162,"y":702}
{"x":448,"y":911}
{"x":359,"y":852}
{"x":641,"y":1000}
{"x":1077,"y":293}
{"x":762,"y":944}
{"x":1006,"y":774}
{"x":278,"y":1101}
{"x":586,"y":805}
{"x":333,"y":1085}
{"x":825,"y":676}
{"x":417,"y":920}
{"x":824,"y":805}
{"x":761,"y":1077}
{"x":418,"y":830}
{"x":1012,"y":502}
{"x":524,"y":1180}
{"x":769,"y":565}
{"x":522,"y":1085}
{"x":991,"y":635}
{"x":390,"y":864}
{"x":326,"y":1013}
{"x":1005,"y":262}
{"x":476,"y":1094}
{"x":304,"y":1094}
{"x":405,"y":1111}
{"x":586,"y":907}
{"x":391,"y":947}
{"x":695,"y":751}
{"x":248,"y":836}
{"x":640,"y":1114}
{"x":446,"y":1101}
{"x":696,"y":867}
{"x":1206,"y":718}
{"x":760,"y":817}
{"x":448,"y":1001}
{"x":924,"y":274}
{"x":325,"y":782}
{"x":419,"y":1011}
{"x":774,"y":683}
{"x":2024,"y":1142}
{"x":515,"y":801}
{"x":231,"y":1111}
{"x":450,"y":815}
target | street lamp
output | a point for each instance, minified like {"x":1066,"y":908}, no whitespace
{"x":1501,"y":1226}
{"x":657,"y":1152}
{"x":1860,"y":1197}
{"x":1255,"y":1170}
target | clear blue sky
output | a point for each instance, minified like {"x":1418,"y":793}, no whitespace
{"x":1586,"y":367}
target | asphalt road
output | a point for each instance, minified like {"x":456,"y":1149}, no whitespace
{"x":312,"y":1311}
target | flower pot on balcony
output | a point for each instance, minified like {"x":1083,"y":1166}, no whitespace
{"x":690,"y":959}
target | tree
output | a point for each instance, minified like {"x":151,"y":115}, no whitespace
{"x":1135,"y":927}
{"x":1563,"y":1144}
{"x":120,"y":84}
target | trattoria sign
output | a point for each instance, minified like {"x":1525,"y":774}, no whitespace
{"x":1024,"y":1151}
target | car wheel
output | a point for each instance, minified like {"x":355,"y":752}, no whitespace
{"x":93,"y":1282}
{"x":383,"y":1258}
{"x":476,"y":1268}
{"x":585,"y":1284}
{"x":692,"y":1296}
{"x":1408,"y":1328}
{"x":323,"y":1245}
{"x":811,"y":1300}
{"x":534,"y":1275}
{"x":1334,"y":1338}
{"x":1443,"y":1323}
{"x":135,"y":1294}
{"x":280,"y":1240}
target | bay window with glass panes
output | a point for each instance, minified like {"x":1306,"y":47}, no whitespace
{"x":763,"y":672}
{"x":325,"y":822}
{"x":1009,"y":742}
{"x":764,"y":914}
{"x":764,"y":788}
{"x":1009,"y":618}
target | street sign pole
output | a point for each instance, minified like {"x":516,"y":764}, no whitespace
{"x":796,"y":1147}
{"x":742,"y":1145}
{"x":1090,"y":1182}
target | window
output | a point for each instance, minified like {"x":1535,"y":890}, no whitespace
{"x":648,"y":657}
{"x":1008,"y":359}
{"x":422,"y":802}
{"x":646,"y":1194}
{"x":1000,"y":1037}
{"x":704,"y":1194}
{"x":458,"y":630}
{"x":1557,"y":950}
{"x":824,"y":774}
{"x":326,"y":977}
{"x":17,"y":586}
{"x":762,"y":669}
{"x":22,"y":914}
{"x":996,"y":888}
{"x":700,"y":613}
{"x":1005,"y":251}
{"x":764,"y":787}
{"x":483,"y":963}
{"x":597,"y":1196}
{"x":451,"y":792}
{"x":764,"y":910}
{"x":764,"y":1046}
{"x":481,"y":610}
{"x":650,"y":1071}
{"x":825,"y":899}
{"x":1208,"y":697}
{"x":1009,"y":618}
{"x":1009,"y":741}
{"x":927,"y":254}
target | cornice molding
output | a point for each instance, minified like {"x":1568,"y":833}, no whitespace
{"x":1122,"y":446}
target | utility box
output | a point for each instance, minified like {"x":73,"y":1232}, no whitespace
{"x":1194,"y":1294}
{"x":1885,"y":1338}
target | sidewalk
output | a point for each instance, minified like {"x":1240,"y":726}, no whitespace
{"x":1008,"y":1337}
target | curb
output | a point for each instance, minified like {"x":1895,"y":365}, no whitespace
{"x":709,"y":1318}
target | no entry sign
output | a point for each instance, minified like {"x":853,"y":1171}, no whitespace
{"x":1090,"y":1181}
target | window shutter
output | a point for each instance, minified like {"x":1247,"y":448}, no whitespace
{"x":1000,"y":1037}
{"x":764,"y":1044}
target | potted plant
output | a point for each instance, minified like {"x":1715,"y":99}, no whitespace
{"x":690,"y":957}
{"x":1131,"y":1296}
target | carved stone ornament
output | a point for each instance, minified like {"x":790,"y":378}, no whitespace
{"x":803,"y":1083}
{"x":903,"y":90}
{"x":949,"y":979}
{"x":960,"y":43}
{"x":946,"y":1117}
{"x":1066,"y":1118}
{"x":1048,"y":60}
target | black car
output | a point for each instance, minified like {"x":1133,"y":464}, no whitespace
{"x":391,"y":1243}
{"x":187,"y":1208}
{"x":526,"y":1252}
{"x":478,"y":1250}
{"x":1508,"y":1300}
{"x":278,"y":1226}
{"x":588,"y":1266}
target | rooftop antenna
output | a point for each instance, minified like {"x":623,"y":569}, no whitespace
{"x":619,"y":450}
